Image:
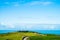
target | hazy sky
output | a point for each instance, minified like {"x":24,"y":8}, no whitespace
{"x":29,"y":12}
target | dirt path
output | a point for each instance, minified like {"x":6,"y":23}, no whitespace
{"x":25,"y":38}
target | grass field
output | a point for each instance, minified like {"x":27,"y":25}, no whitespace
{"x":32,"y":35}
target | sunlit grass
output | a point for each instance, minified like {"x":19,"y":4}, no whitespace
{"x":32,"y":35}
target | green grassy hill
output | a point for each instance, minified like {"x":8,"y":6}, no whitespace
{"x":32,"y":35}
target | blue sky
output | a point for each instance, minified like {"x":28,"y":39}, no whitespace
{"x":25,"y":12}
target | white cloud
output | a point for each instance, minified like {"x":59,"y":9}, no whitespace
{"x":44,"y":3}
{"x":2,"y":23}
{"x":12,"y":3}
{"x":44,"y":27}
{"x":49,"y":27}
{"x":23,"y":26}
{"x":8,"y":25}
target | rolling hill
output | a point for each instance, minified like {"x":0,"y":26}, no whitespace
{"x":32,"y":36}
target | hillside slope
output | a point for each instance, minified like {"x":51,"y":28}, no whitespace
{"x":32,"y":36}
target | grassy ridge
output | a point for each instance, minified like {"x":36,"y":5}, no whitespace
{"x":33,"y":36}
